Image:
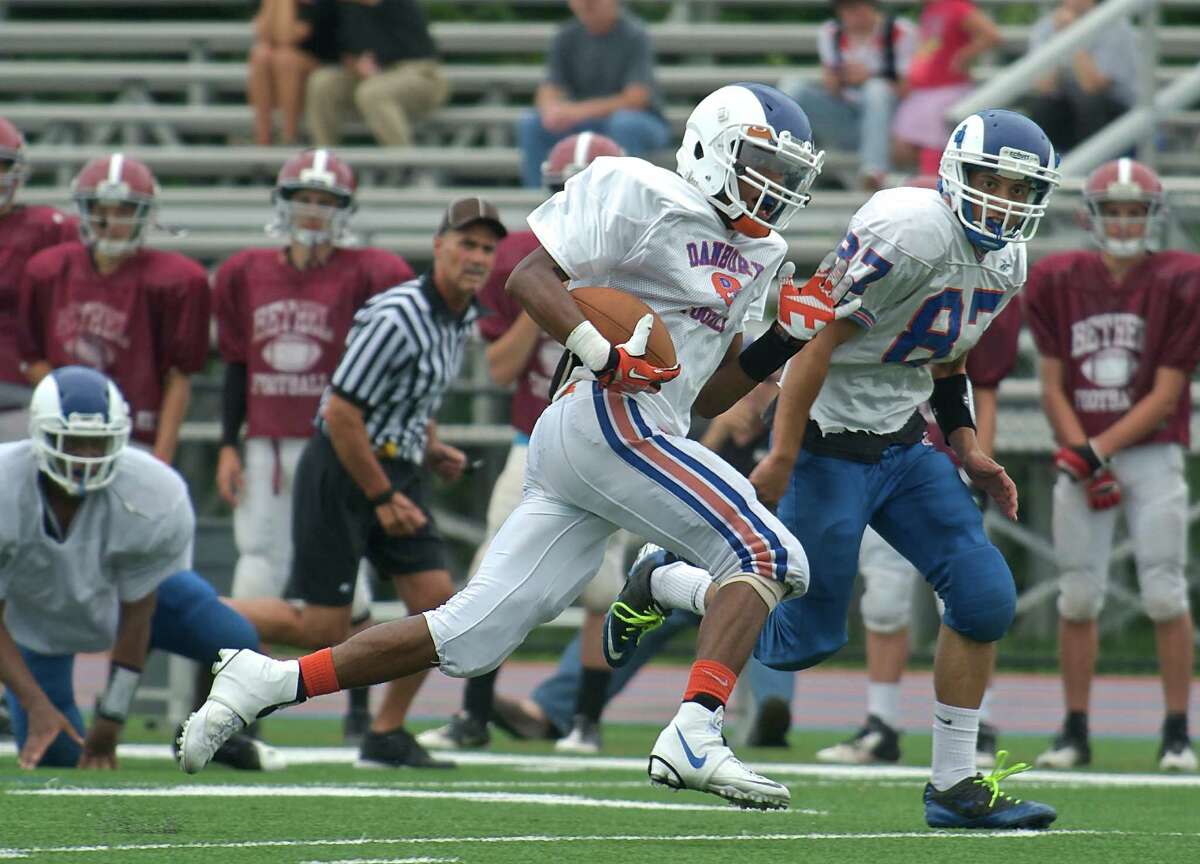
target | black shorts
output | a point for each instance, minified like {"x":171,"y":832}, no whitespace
{"x":334,"y":527}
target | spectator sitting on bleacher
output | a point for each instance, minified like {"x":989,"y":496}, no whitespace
{"x":1092,"y":86}
{"x":291,"y":39}
{"x":389,"y":71}
{"x":599,"y":78}
{"x":951,"y":36}
{"x":864,"y":55}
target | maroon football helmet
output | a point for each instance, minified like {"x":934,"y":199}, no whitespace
{"x":1125,"y":180}
{"x":312,"y":224}
{"x":12,"y":155}
{"x":574,"y":153}
{"x":109,"y":180}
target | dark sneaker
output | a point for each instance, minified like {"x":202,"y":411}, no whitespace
{"x":772,"y":724}
{"x":395,"y":749}
{"x":522,"y":719}
{"x":977,"y":802}
{"x":634,"y":613}
{"x":584,"y":737}
{"x":874,"y":742}
{"x":241,"y":751}
{"x":985,"y":747}
{"x":1067,"y":751}
{"x":463,"y":732}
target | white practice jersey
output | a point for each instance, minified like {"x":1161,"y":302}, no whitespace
{"x":926,"y":297}
{"x":63,"y":597}
{"x":627,"y":224}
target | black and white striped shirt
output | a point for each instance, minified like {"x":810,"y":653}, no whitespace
{"x":403,"y":350}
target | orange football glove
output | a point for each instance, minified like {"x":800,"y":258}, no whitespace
{"x":628,"y":370}
{"x":804,"y":312}
{"x":1103,"y":491}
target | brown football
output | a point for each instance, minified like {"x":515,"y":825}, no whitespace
{"x":616,"y":313}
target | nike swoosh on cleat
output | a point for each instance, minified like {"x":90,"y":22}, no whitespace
{"x":944,"y":720}
{"x":687,"y":751}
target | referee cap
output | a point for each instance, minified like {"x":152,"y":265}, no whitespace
{"x":467,"y":211}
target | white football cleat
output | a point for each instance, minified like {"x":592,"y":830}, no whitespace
{"x":248,"y":685}
{"x":691,"y":753}
{"x":1177,"y":756}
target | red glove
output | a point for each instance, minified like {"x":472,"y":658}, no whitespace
{"x":1078,"y":463}
{"x":628,"y":370}
{"x":1103,"y":491}
{"x":804,"y":312}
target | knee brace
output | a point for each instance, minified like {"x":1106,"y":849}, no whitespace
{"x":978,"y":589}
{"x":768,"y":590}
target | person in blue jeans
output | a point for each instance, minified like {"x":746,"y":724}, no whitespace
{"x":95,"y":555}
{"x":599,"y":78}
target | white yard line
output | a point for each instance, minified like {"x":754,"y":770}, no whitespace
{"x":556,"y":764}
{"x":18,"y":853}
{"x":265,"y":790}
{"x":420,"y":860}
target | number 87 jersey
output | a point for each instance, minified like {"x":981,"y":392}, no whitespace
{"x":927,"y":296}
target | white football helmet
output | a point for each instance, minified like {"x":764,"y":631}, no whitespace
{"x":1013,"y":146}
{"x":750,"y":140}
{"x":78,"y":424}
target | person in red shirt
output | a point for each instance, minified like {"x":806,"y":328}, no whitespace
{"x":24,"y":231}
{"x":951,"y":35}
{"x":522,"y":354}
{"x":1118,"y":331}
{"x":138,"y":315}
{"x":282,"y":318}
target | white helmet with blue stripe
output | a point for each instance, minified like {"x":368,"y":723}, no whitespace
{"x":750,"y":141}
{"x":1014,"y":147}
{"x":78,"y":424}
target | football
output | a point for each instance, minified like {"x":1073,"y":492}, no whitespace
{"x":616,"y":313}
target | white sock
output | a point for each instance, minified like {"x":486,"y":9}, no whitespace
{"x":954,"y":733}
{"x":883,"y":700}
{"x":985,"y":707}
{"x":680,"y":586}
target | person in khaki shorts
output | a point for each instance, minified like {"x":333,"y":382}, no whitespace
{"x":389,"y":72}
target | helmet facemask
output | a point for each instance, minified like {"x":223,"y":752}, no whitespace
{"x":16,"y":173}
{"x":992,"y":221}
{"x":777,"y":171}
{"x":1127,"y":243}
{"x":334,"y":219}
{"x":95,"y":216}
{"x":79,"y":453}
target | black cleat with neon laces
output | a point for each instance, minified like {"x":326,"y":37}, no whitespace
{"x":977,"y":802}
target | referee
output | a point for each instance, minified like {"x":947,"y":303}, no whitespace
{"x":360,"y":488}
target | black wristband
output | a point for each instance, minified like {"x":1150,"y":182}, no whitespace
{"x":951,"y":404}
{"x":1088,"y":454}
{"x":381,"y":499}
{"x":233,"y":404}
{"x":768,"y":353}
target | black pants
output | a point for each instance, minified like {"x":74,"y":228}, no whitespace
{"x":1072,"y":116}
{"x":334,"y":527}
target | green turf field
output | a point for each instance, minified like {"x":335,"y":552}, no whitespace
{"x":537,"y":807}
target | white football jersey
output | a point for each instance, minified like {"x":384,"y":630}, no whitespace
{"x":926,"y":297}
{"x":627,"y":224}
{"x":62,"y":597}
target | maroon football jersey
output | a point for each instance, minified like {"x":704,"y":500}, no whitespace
{"x":134,"y":325}
{"x":532,"y":394}
{"x":1112,"y":338}
{"x":289,"y":327}
{"x":23,"y":233}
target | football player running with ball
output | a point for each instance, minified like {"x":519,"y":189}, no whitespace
{"x":1118,"y":331}
{"x":932,"y":268}
{"x":701,"y":248}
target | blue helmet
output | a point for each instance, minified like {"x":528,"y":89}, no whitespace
{"x":750,"y":136}
{"x":1013,"y":146}
{"x":71,"y":404}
